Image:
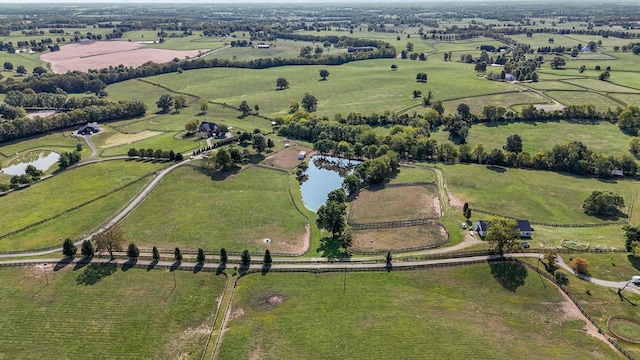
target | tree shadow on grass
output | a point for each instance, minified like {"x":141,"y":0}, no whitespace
{"x":223,"y":175}
{"x":634,"y":261}
{"x":331,"y":248}
{"x":129,"y":264}
{"x":256,"y":158}
{"x":498,"y":169}
{"x":221,"y":268}
{"x":198,"y":268}
{"x":510,"y":275}
{"x":175,"y":265}
{"x":82,"y":263}
{"x":265,"y":269}
{"x":152,"y":265}
{"x":62,"y":263}
{"x":95,"y":272}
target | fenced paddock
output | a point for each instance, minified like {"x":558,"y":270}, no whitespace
{"x":395,"y":203}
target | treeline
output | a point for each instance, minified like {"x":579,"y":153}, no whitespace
{"x":157,"y":154}
{"x":413,"y":143}
{"x":79,"y":82}
{"x":51,"y":101}
{"x":24,"y":127}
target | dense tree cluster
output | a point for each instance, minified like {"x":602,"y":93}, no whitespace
{"x":157,"y":154}
{"x":51,"y":101}
{"x":23,"y":127}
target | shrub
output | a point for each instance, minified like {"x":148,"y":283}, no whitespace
{"x":580,"y":265}
{"x":561,"y":278}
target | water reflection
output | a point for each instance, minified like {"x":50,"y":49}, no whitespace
{"x":324,"y":174}
{"x":42,"y":160}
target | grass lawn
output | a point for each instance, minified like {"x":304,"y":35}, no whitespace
{"x":602,"y":137}
{"x":581,"y":97}
{"x":609,"y":266}
{"x":54,"y":140}
{"x":234,"y":211}
{"x":68,"y":189}
{"x":165,"y":141}
{"x":398,"y":238}
{"x":450,"y":313}
{"x":604,"y":303}
{"x":410,"y":175}
{"x":395,"y":203}
{"x":539,"y":196}
{"x":105,"y":312}
{"x":600,"y":236}
{"x":602,"y":86}
{"x":506,"y":100}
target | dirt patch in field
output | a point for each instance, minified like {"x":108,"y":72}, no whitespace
{"x":123,"y":139}
{"x":288,"y":157}
{"x":396,"y":203}
{"x":455,"y":201}
{"x":102,"y":54}
{"x":398,"y":238}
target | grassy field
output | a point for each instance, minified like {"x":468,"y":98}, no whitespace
{"x":363,"y":86}
{"x":409,"y":175}
{"x":165,"y":141}
{"x":581,"y":97}
{"x":452,"y":313}
{"x":610,"y":266}
{"x":398,"y":238}
{"x":506,"y":100}
{"x":71,"y":224}
{"x":602,"y":137}
{"x":539,"y":196}
{"x":105,"y":312}
{"x":601,"y":236}
{"x":234,"y":211}
{"x":54,"y":196}
{"x":48,"y":142}
{"x":395,"y":203}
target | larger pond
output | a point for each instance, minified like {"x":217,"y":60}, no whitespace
{"x":324,"y":175}
{"x":42,"y":160}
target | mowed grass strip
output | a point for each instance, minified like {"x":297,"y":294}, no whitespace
{"x":449,"y":313}
{"x":539,"y":196}
{"x":236,"y":211}
{"x":104,"y":312}
{"x":601,"y":102}
{"x":375,"y":204}
{"x":67,"y":190}
{"x":398,"y":238}
{"x":72,"y":224}
{"x":410,"y":175}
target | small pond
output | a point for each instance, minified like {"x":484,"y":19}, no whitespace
{"x":324,"y":174}
{"x":41,"y":159}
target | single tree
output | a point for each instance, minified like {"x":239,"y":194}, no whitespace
{"x":245,"y":258}
{"x":259,"y":142}
{"x":179,"y":102}
{"x":502,"y":233}
{"x":309,"y":102}
{"x":464,"y":110}
{"x":324,"y":73}
{"x":223,"y":256}
{"x":561,"y":278}
{"x":245,"y":108}
{"x":200,"y":258}
{"x":223,"y":159}
{"x":204,"y":105}
{"x":39,"y":70}
{"x":580,"y":265}
{"x":21,"y":70}
{"x":604,"y":203}
{"x":155,"y":254}
{"x":132,"y":251}
{"x":192,"y":126}
{"x":177,"y":255}
{"x":8,"y":66}
{"x":557,"y":63}
{"x":87,"y":249}
{"x":165,"y":102}
{"x":110,"y":240}
{"x":351,"y":184}
{"x":438,"y":106}
{"x":270,"y":143}
{"x":467,"y":213}
{"x":267,"y":257}
{"x":388,"y":258}
{"x":632,"y":235}
{"x":551,"y":256}
{"x":465,"y":207}
{"x":281,"y":84}
{"x":514,"y":144}
{"x":394,"y":67}
{"x":331,"y":217}
{"x":68,"y":248}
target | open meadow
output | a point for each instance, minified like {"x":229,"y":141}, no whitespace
{"x":235,"y":211}
{"x":105,"y":311}
{"x":46,"y":200}
{"x":399,"y":238}
{"x":398,"y":202}
{"x":537,"y":196}
{"x":455,"y":313}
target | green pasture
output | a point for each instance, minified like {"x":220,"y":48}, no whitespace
{"x":411,"y":175}
{"x":363,"y":86}
{"x":29,"y":61}
{"x":164,"y":141}
{"x":68,"y":189}
{"x":539,"y":196}
{"x":603,"y":303}
{"x":105,"y":311}
{"x":47,"y":142}
{"x":278,"y":49}
{"x":603,"y":86}
{"x":602,"y":137}
{"x":550,"y":84}
{"x":142,"y":91}
{"x":235,"y":211}
{"x":601,"y":102}
{"x":506,"y":100}
{"x":452,"y":313}
{"x":550,"y":237}
{"x":609,"y":266}
{"x":627,"y":79}
{"x":72,"y":224}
